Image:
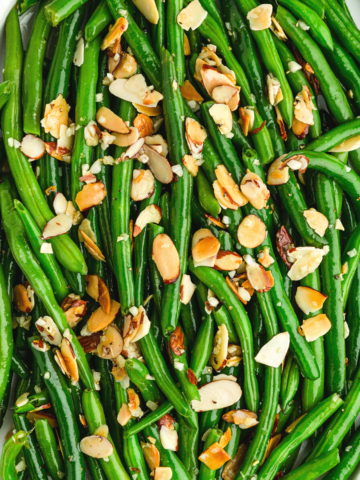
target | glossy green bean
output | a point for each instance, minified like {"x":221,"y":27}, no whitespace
{"x":100,"y":19}
{"x":138,"y":374}
{"x":49,"y":450}
{"x":348,"y":461}
{"x":18,"y":364}
{"x":206,"y":195}
{"x":317,"y":467}
{"x":289,"y":381}
{"x":59,"y":10}
{"x":5,"y":90}
{"x":9,"y":453}
{"x":150,"y":419}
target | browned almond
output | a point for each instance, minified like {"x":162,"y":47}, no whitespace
{"x":309,"y":300}
{"x":152,"y":97}
{"x":114,"y":57}
{"x":281,"y":123}
{"x":306,"y":264}
{"x":21,"y":299}
{"x":190,"y":165}
{"x":260,"y":17}
{"x":296,"y":162}
{"x":259,"y":278}
{"x":166,"y":258}
{"x":211,"y":78}
{"x":111,"y":343}
{"x":214,"y":221}
{"x":272,"y":444}
{"x":206,"y":248}
{"x":127,"y":139}
{"x":275,"y":175}
{"x":177,"y":344}
{"x":195,"y":135}
{"x":265,"y":258}
{"x":225,"y":438}
{"x":227,"y":260}
{"x":224,"y":93}
{"x":33,"y":147}
{"x":192,"y":377}
{"x":214,"y":457}
{"x":91,"y":195}
{"x":115,"y":32}
{"x":236,"y":291}
{"x":251,"y":231}
{"x":150,"y":214}
{"x":142,"y":185}
{"x":223,"y":198}
{"x":228,"y":184}
{"x":151,"y":455}
{"x":159,"y":165}
{"x":69,"y":357}
{"x":222,"y":116}
{"x":244,"y":121}
{"x":163,"y":473}
{"x":199,"y":235}
{"x":300,"y":129}
{"x":100,"y":320}
{"x":124,"y":415}
{"x":56,"y":114}
{"x":127,"y":66}
{"x":59,"y":359}
{"x":96,"y":446}
{"x":150,"y":111}
{"x":315,"y":327}
{"x":144,"y":125}
{"x":284,"y":242}
{"x":76,"y":312}
{"x":92,"y":248}
{"x":255,"y":190}
{"x":219,"y":352}
{"x":166,"y":421}
{"x":234,"y":101}
{"x":244,"y":418}
{"x":189,"y":92}
{"x":187,"y":49}
{"x":109,"y":120}
{"x":97,"y":289}
{"x":317,"y":221}
{"x":51,"y":149}
{"x":90,"y":342}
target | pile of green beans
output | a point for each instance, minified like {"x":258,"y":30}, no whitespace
{"x":180,"y":301}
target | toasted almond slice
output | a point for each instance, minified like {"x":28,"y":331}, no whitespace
{"x":76,"y":312}
{"x":144,"y":325}
{"x":49,"y":330}
{"x":195,"y":135}
{"x":295,"y":253}
{"x":199,"y":235}
{"x":272,"y":444}
{"x":190,"y":164}
{"x":142,"y":185}
{"x":222,"y":116}
{"x":40,"y":345}
{"x":315,"y":327}
{"x":115,"y":33}
{"x":223,"y":198}
{"x":215,"y":221}
{"x":92,"y":248}
{"x":59,"y":359}
{"x":151,"y":455}
{"x":317,"y":221}
{"x":69,"y":357}
{"x":149,"y":9}
{"x":234,"y":101}
{"x":303,"y":109}
{"x":109,"y":120}
{"x":189,"y":92}
{"x":97,"y":289}
{"x":260,"y":279}
{"x":300,"y":129}
{"x":273,"y":352}
{"x":296,"y":162}
{"x":227,"y":260}
{"x":216,"y":395}
{"x":144,"y":125}
{"x":260,"y":17}
{"x":191,"y":16}
{"x":58,"y":225}
{"x":255,"y":190}
{"x":114,"y":57}
{"x":187,"y":48}
{"x":60,"y":204}
{"x":228,"y":184}
{"x":244,"y":418}
{"x":120,"y":88}
{"x":103,"y":431}
{"x":348,"y":145}
{"x":137,"y":84}
{"x":219,"y":352}
{"x":150,"y":111}
{"x":277,"y":176}
{"x":306,"y":264}
{"x":125,"y":140}
{"x":166,"y":258}
{"x":214,"y":457}
{"x":21,"y":299}
{"x":150,"y":214}
{"x":251,"y":232}
{"x":281,"y":123}
{"x":96,"y":446}
{"x":225,"y":94}
{"x":162,"y":473}
{"x":187,"y":289}
{"x":158,"y":140}
{"x":264,"y":257}
{"x":100,"y":320}
{"x":152,"y":97}
{"x":240,"y":292}
{"x":56,"y":114}
{"x":225,"y":438}
{"x":124,"y":415}
{"x":111,"y":343}
{"x":33,"y":147}
{"x":273,"y":87}
{"x":169,"y":438}
{"x":205,"y":248}
{"x":127,"y":66}
{"x":159,"y":165}
{"x":309,"y":300}
{"x":90,"y":195}
{"x":212,"y":78}
{"x":133,"y":151}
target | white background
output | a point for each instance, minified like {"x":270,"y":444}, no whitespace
{"x":26,"y":23}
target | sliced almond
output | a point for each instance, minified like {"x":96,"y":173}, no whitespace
{"x":260,"y":279}
{"x":199,"y":235}
{"x":114,"y":57}
{"x":234,"y":101}
{"x":223,"y":198}
{"x":96,"y":446}
{"x":40,"y":345}
{"x":227,"y":94}
{"x":21,"y":299}
{"x":169,"y":438}
{"x":151,"y":455}
{"x":246,"y":120}
{"x":33,"y":147}
{"x":75,"y":312}
{"x":152,"y":97}
{"x":144,"y":125}
{"x":219,"y":352}
{"x":275,"y":175}
{"x":69,"y":357}
{"x":162,"y":473}
{"x":124,"y":415}
{"x":115,"y":33}
{"x":222,"y":116}
{"x":272,"y":444}
{"x":125,"y":140}
{"x":251,"y":232}
{"x":190,"y":164}
{"x":137,"y":84}
{"x":264,"y":258}
{"x":225,"y":438}
{"x":159,"y":165}
{"x":309,"y":300}
{"x":149,"y":111}
{"x":126,"y":68}
{"x":56,"y":114}
{"x":348,"y":145}
{"x":315,"y":327}
{"x":144,"y":325}
{"x":133,"y":151}
{"x":281,"y":123}
{"x":142,"y":185}
{"x":120,"y":88}
{"x":92,"y":248}
{"x":60,"y":204}
{"x":244,"y":418}
{"x":205,"y":248}
{"x":227,"y":260}
{"x":195,"y":135}
{"x":300,"y":129}
{"x":306,"y":264}
{"x":166,"y":258}
{"x":214,"y":457}
{"x":97,"y":289}
{"x":187,"y":289}
{"x":232,"y":191}
{"x":100,"y":320}
{"x":216,"y":395}
{"x":212,"y":78}
{"x":296,"y":162}
{"x":274,"y":352}
{"x":187,"y":48}
{"x":148,"y":9}
{"x":255,"y":190}
{"x":273,"y":89}
{"x":150,"y":214}
{"x":111,"y":343}
{"x":317,"y":221}
{"x":191,"y":16}
{"x":189,"y":92}
{"x":58,"y":225}
{"x":260,"y":17}
{"x":303,"y":106}
{"x":59,"y":359}
{"x":48,"y":330}
{"x":90,"y":195}
{"x":111,"y":121}
{"x":158,"y":140}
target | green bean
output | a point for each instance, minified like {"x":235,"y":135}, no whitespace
{"x":138,"y":372}
{"x":34,"y":401}
{"x":5,"y":90}
{"x":335,"y":136}
{"x":348,"y":461}
{"x":188,"y":443}
{"x":159,"y":30}
{"x":6,"y":338}
{"x":18,"y":365}
{"x":59,"y":10}
{"x":351,"y":261}
{"x":206,"y":195}
{"x":302,"y":431}
{"x":48,"y":447}
{"x":289,"y":381}
{"x":100,"y":19}
{"x":222,"y":317}
{"x":203,"y":346}
{"x":190,"y":319}
{"x":9,"y":453}
{"x":317,"y":467}
{"x":141,"y":264}
{"x":205,"y":472}
{"x":5,"y":399}
{"x":155,"y":277}
{"x":150,"y":419}
{"x":165,"y":208}
{"x":353,"y":341}
{"x":175,"y":38}
{"x":33,"y":71}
